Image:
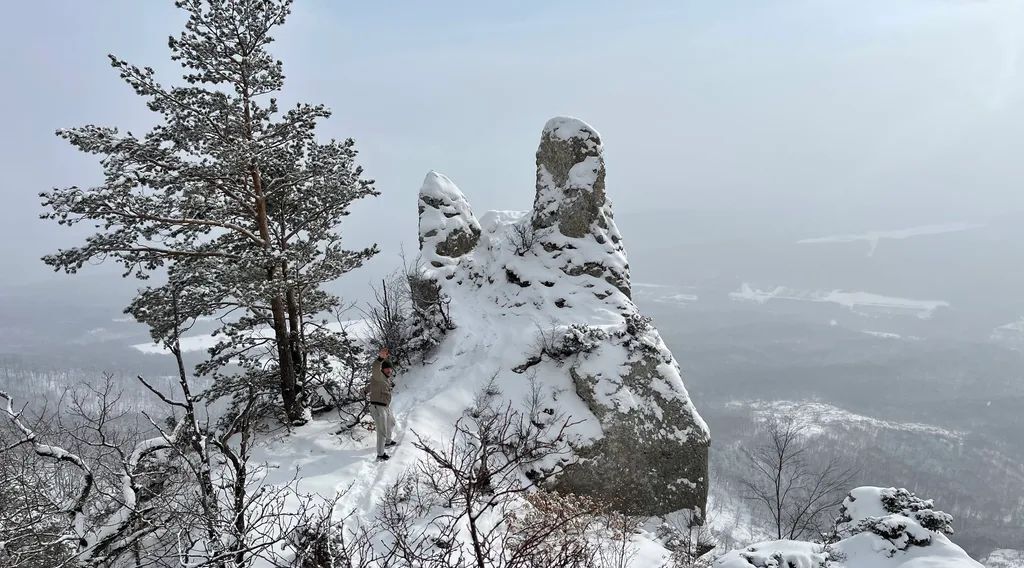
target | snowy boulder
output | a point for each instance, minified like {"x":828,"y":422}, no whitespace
{"x":448,"y":229}
{"x":878,"y":528}
{"x":571,"y":212}
{"x":653,"y":456}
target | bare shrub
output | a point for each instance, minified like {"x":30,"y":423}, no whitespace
{"x":322,"y":541}
{"x":525,"y":236}
{"x":431,"y":311}
{"x":689,"y":539}
{"x":614,"y":536}
{"x":483,"y":483}
{"x":388,"y":317}
{"x":554,"y":530}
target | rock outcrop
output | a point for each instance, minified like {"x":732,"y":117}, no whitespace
{"x":561,"y":270}
{"x":571,"y":212}
{"x":448,"y":228}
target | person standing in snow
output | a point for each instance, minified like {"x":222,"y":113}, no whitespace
{"x":379,"y":393}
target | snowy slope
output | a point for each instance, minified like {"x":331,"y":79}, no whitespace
{"x":502,"y":300}
{"x":816,"y":418}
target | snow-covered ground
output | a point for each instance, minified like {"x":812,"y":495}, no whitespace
{"x":816,"y":418}
{"x":1011,"y":334}
{"x":873,"y":238}
{"x":882,"y":334}
{"x":501,"y":301}
{"x":859,"y":302}
{"x":1005,"y":558}
{"x":664,"y":294}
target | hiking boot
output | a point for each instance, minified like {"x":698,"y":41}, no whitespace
{"x":383,"y":457}
{"x":390,"y":444}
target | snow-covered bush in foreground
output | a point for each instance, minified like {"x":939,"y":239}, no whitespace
{"x":878,"y":528}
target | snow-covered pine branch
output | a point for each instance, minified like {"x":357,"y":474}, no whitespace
{"x":229,"y":193}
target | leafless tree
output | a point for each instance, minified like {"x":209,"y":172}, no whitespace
{"x":97,"y":493}
{"x":109,"y":509}
{"x":795,"y":489}
{"x":388,"y":316}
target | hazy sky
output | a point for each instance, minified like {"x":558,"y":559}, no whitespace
{"x":845,"y":114}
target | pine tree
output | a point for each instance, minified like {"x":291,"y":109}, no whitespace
{"x":228,"y":192}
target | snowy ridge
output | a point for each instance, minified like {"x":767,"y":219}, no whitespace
{"x":816,"y":418}
{"x":664,"y":294}
{"x":853,"y":301}
{"x":1011,"y":334}
{"x":875,"y":237}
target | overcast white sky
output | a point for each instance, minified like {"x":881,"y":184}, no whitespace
{"x":843,"y":114}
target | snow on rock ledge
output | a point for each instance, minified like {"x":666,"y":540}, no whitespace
{"x":561,"y":270}
{"x":879,"y":528}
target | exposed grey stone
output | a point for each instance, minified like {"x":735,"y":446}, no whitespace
{"x":571,"y":198}
{"x":635,"y":467}
{"x":459,"y":242}
{"x":447,"y":223}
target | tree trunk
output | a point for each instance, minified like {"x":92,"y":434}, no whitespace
{"x":478,"y":549}
{"x":239,"y":509}
{"x":292,"y":407}
{"x":289,"y":384}
{"x":295,"y":335}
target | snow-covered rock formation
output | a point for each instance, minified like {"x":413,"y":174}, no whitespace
{"x":546,"y":295}
{"x":448,"y":228}
{"x":879,"y":528}
{"x":571,"y":205}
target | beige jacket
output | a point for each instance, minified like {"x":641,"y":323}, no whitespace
{"x":379,"y":389}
